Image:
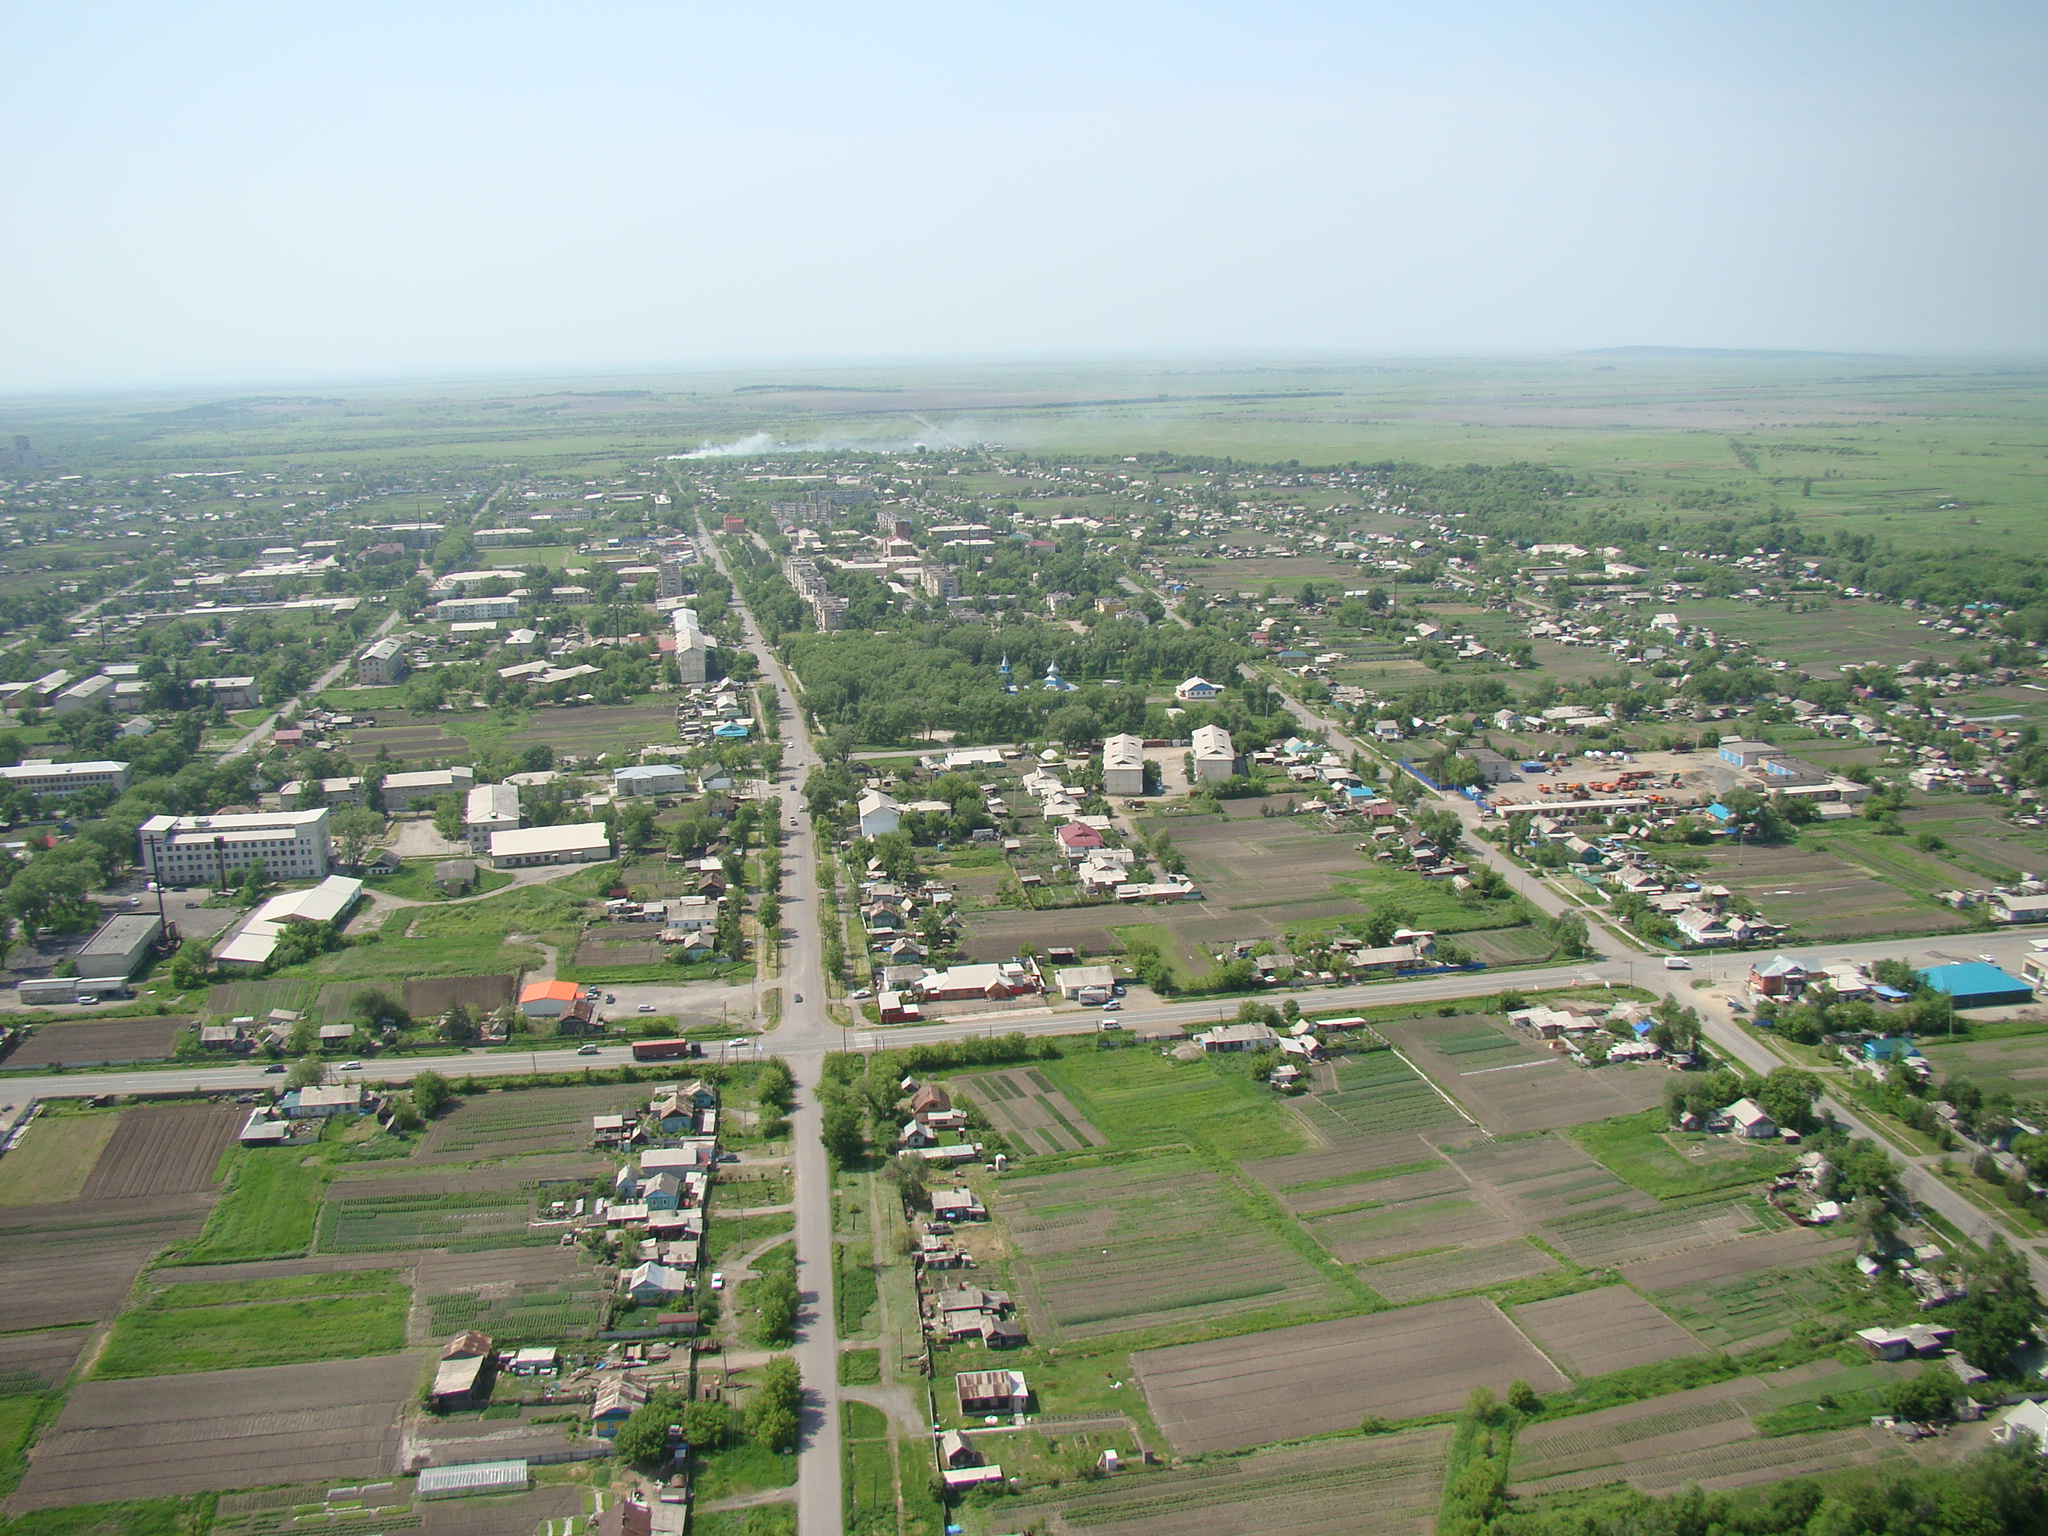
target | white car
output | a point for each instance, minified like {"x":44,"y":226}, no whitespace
{"x":587,"y":1050}
{"x":351,"y":1066}
{"x":1675,"y":963}
{"x":718,"y":1279}
{"x":646,"y":1008}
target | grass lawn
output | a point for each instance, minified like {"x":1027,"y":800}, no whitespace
{"x":157,"y":1341}
{"x":135,"y":1517}
{"x":459,"y":939}
{"x":860,"y":1367}
{"x":742,"y":1468}
{"x":1641,"y":1150}
{"x":1139,"y":1098}
{"x":54,"y":1158}
{"x":20,"y":1414}
{"x":348,"y":1282}
{"x":415,"y":882}
{"x":761,"y":1520}
{"x":267,"y":1213}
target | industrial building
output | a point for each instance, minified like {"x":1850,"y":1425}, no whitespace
{"x":1123,"y":766}
{"x":251,"y":946}
{"x":1977,"y":984}
{"x":118,"y":950}
{"x":585,"y":842}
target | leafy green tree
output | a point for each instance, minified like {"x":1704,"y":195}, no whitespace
{"x":190,"y":966}
{"x":643,"y":1439}
{"x":777,"y":1300}
{"x":1928,"y":1398}
{"x":431,"y":1093}
{"x":355,"y":827}
{"x":1997,"y":1316}
{"x":306,"y":1072}
{"x":773,"y":1414}
{"x":459,"y":1025}
{"x":451,"y":818}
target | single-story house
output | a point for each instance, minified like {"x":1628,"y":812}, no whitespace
{"x":1747,"y":1119}
{"x":992,"y":1392}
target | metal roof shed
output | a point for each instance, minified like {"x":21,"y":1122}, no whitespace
{"x":473,"y":1477}
{"x":1977,"y":984}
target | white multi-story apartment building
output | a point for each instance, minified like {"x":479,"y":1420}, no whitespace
{"x":40,"y":776}
{"x":403,"y":791}
{"x":490,"y":809}
{"x":191,"y":850}
{"x":693,"y":648}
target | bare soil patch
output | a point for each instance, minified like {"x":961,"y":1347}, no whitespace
{"x":74,"y":1263}
{"x":1388,"y":1485}
{"x":1289,"y":1382}
{"x":43,"y":1358}
{"x":1796,"y":1248}
{"x":1517,"y":1085}
{"x":337,"y":1421}
{"x":90,"y":1044}
{"x":1594,"y":1332}
{"x":164,"y":1150}
{"x":1032,"y":1114}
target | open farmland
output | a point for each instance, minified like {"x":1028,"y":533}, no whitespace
{"x":1387,"y":1485}
{"x":1591,"y":1333}
{"x":164,"y":1150}
{"x":90,"y":1043}
{"x":1706,"y":1435}
{"x":39,"y":1359}
{"x":1138,"y":1245}
{"x":1289,"y":1382}
{"x":518,"y":1124}
{"x":1377,"y":1095}
{"x":1032,"y":1115}
{"x":336,"y":1421}
{"x":1823,"y":896}
{"x":54,"y":1158}
{"x":1746,"y":1294}
{"x":2017,"y":1064}
{"x":1511,"y":1084}
{"x":74,"y":1263}
{"x":191,"y":1328}
{"x":391,"y":1223}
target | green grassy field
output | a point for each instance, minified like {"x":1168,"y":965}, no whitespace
{"x":1638,"y":1148}
{"x":160,"y":1339}
{"x":267,"y":1213}
{"x":54,"y":1158}
{"x":1139,"y":1098}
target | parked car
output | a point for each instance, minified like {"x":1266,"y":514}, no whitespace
{"x":88,"y":1001}
{"x":609,"y":998}
{"x":799,"y":997}
{"x":646,"y":1008}
{"x":718,"y":1279}
{"x":587,"y":1050}
{"x":1111,"y":1006}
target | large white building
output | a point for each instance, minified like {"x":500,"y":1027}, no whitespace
{"x":1123,"y":766}
{"x":1215,"y":756}
{"x":194,"y":850}
{"x":584,"y":843}
{"x":250,"y":947}
{"x":383,"y":663}
{"x":471,"y":609}
{"x":693,"y":648}
{"x":491,"y":809}
{"x":40,"y":776}
{"x":403,"y":791}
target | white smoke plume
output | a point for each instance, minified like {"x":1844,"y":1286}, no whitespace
{"x":963,"y":434}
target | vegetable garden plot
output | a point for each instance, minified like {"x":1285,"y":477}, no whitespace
{"x":1750,"y":1310}
{"x":1378,"y":1095}
{"x":1466,"y":1269}
{"x":1413,"y":1227}
{"x":539,"y":1120}
{"x":1226,"y":1394}
{"x":480,"y":1220}
{"x":1593,"y":1332}
{"x":524,"y":1316}
{"x":1612,"y":1236}
{"x":1793,"y":1248}
{"x":1108,"y":1250}
{"x":1384,"y":1486}
{"x":171,"y":1150}
{"x":1030,"y":1112}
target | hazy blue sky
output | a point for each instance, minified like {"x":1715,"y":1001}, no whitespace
{"x":280,"y":191}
